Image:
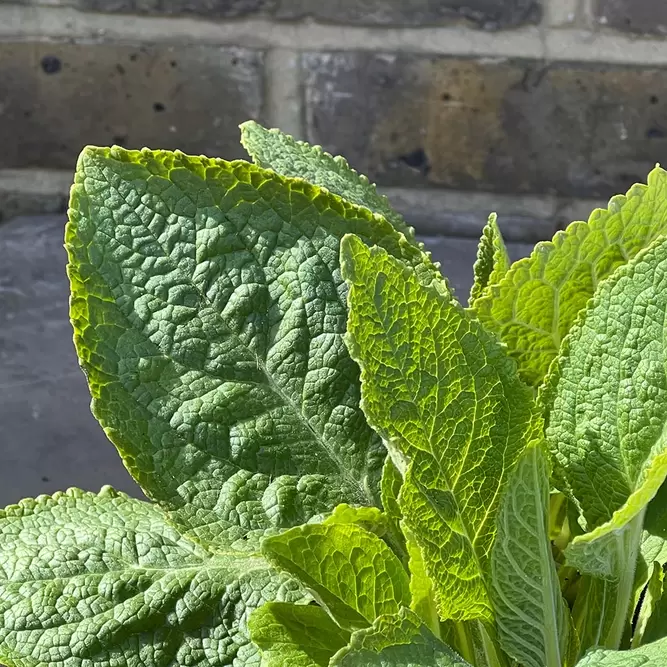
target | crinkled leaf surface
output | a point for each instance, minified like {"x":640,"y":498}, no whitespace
{"x":350,"y":570}
{"x":401,"y":640}
{"x":538,"y":300}
{"x":441,"y":392}
{"x":295,"y":635}
{"x":651,"y":655}
{"x":209,"y":313}
{"x":606,"y":407}
{"x":606,"y":399}
{"x":492,"y":263}
{"x":275,"y":150}
{"x":92,"y":580}
{"x":532,"y":619}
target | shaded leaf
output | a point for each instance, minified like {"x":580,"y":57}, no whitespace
{"x":295,"y":635}
{"x":397,"y":641}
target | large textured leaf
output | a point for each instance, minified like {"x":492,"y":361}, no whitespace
{"x":400,"y":640}
{"x":209,"y":311}
{"x":350,"y":570}
{"x":443,"y":395}
{"x":538,"y":300}
{"x":295,"y":635}
{"x":606,"y":398}
{"x":492,"y":263}
{"x":532,"y":619}
{"x":272,"y":149}
{"x":92,"y":580}
{"x":651,"y":655}
{"x":606,"y":407}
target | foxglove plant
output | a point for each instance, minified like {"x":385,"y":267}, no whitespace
{"x":346,"y":466}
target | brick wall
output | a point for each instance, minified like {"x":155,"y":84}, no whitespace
{"x":537,"y":109}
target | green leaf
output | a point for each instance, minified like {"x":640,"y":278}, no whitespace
{"x":593,"y":612}
{"x":606,"y":400}
{"x":654,"y":537}
{"x":532,"y":619}
{"x":444,"y":397}
{"x":295,"y":635}
{"x":396,"y":641}
{"x":651,"y":655}
{"x":652,"y":618}
{"x":209,"y":313}
{"x":390,"y":487}
{"x":492,"y":263}
{"x":92,"y":580}
{"x":654,"y":540}
{"x":371,"y":519}
{"x":538,"y":300}
{"x":422,"y":590}
{"x":352,"y":572}
{"x":272,"y":149}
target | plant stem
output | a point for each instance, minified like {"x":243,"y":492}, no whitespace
{"x":464,"y":643}
{"x":629,"y":543}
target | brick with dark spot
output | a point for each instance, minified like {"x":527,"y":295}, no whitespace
{"x":479,"y":124}
{"x":56,"y":98}
{"x":490,"y":14}
{"x":638,"y":16}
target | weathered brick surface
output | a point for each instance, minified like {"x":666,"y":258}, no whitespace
{"x":56,"y":98}
{"x":490,"y":14}
{"x":515,"y":127}
{"x":486,"y":13}
{"x":642,"y":16}
{"x":206,"y":8}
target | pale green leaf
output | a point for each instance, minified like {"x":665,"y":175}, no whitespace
{"x":651,"y":655}
{"x":369,"y":518}
{"x":492,"y":263}
{"x":295,"y":635}
{"x":209,"y":314}
{"x":275,"y":150}
{"x":400,"y":640}
{"x":92,"y":580}
{"x":606,"y":402}
{"x":443,"y":395}
{"x":538,"y":300}
{"x":352,"y":572}
{"x":652,"y":618}
{"x":606,"y":399}
{"x":532,"y":619}
{"x":422,"y":589}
